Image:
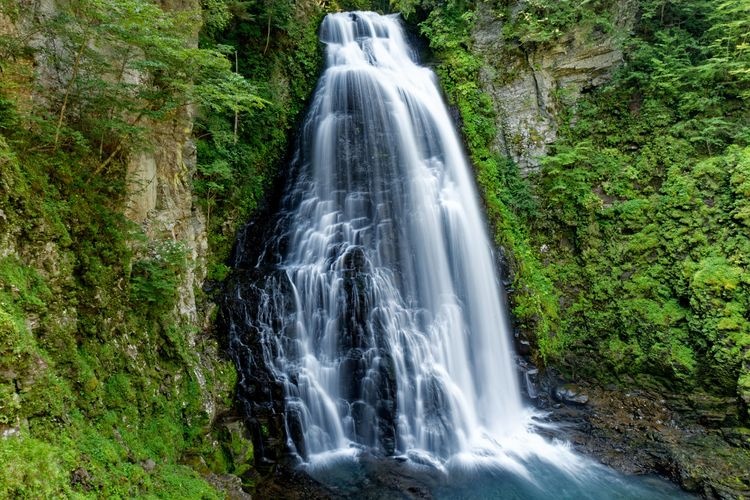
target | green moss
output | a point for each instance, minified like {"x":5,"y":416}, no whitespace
{"x":642,"y":205}
{"x":34,"y":469}
{"x":154,"y":278}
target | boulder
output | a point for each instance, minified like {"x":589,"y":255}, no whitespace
{"x":569,"y":394}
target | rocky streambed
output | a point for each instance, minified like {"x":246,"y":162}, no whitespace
{"x":694,"y":439}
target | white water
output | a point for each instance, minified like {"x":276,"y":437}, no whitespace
{"x":386,"y":185}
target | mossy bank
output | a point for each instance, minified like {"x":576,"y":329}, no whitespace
{"x":132,"y":147}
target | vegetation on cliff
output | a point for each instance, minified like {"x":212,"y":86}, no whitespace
{"x":106,"y":387}
{"x":644,"y":203}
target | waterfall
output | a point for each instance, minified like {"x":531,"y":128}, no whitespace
{"x":398,"y":338}
{"x":369,"y":319}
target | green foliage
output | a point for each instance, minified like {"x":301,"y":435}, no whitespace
{"x":539,"y":22}
{"x":114,"y":65}
{"x":274,"y":46}
{"x":36,"y":401}
{"x":644,"y":203}
{"x":154,"y":279}
{"x":216,"y":15}
{"x":33,"y":469}
{"x":407,"y":8}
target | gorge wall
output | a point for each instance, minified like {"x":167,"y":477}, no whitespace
{"x":111,"y":377}
{"x":531,"y":85}
{"x":131,"y":151}
{"x":617,"y":191}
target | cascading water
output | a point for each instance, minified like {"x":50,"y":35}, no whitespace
{"x":376,"y":319}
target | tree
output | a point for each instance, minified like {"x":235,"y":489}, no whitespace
{"x":110,"y":66}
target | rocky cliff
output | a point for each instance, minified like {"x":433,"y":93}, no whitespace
{"x":119,"y":135}
{"x":106,"y":333}
{"x":532,"y":83}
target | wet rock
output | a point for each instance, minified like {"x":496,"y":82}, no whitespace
{"x":355,"y":260}
{"x":737,"y":436}
{"x":570,"y":394}
{"x":523,"y":347}
{"x":228,"y":484}
{"x":529,"y":375}
{"x":642,"y":431}
{"x":364,"y":420}
{"x":351,"y":372}
{"x":290,"y":483}
{"x":386,"y":412}
{"x":388,"y":478}
{"x":259,"y":392}
{"x":387,"y":408}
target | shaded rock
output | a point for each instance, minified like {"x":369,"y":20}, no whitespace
{"x":523,"y":347}
{"x":639,"y":431}
{"x":526,"y":83}
{"x":296,"y":432}
{"x":9,"y":432}
{"x":81,"y":478}
{"x":712,"y":411}
{"x":291,"y":484}
{"x":239,"y":446}
{"x":737,"y":436}
{"x":228,"y":484}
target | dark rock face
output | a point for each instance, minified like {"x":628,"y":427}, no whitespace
{"x":229,"y":485}
{"x":258,"y":306}
{"x":291,"y":484}
{"x":259,"y":391}
{"x":81,"y":478}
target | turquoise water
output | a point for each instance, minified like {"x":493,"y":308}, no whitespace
{"x":359,"y":475}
